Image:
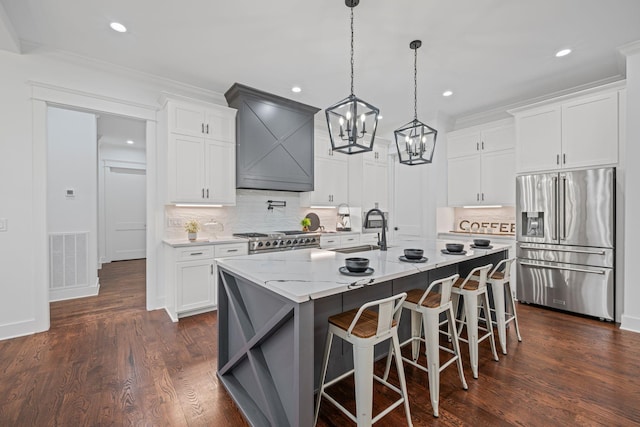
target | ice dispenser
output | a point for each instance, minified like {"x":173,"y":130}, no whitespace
{"x":534,"y":224}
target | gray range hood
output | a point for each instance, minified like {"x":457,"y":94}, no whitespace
{"x":274,"y":140}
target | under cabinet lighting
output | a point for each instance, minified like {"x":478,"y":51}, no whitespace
{"x":116,"y":26}
{"x":482,"y":207}
{"x":195,"y":205}
{"x":563,"y":52}
{"x":322,"y":207}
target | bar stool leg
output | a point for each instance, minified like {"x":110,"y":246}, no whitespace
{"x":401,"y":377}
{"x":497,"y":289}
{"x":456,"y":346}
{"x":471,"y":314}
{"x":323,"y":374}
{"x":431,"y":334}
{"x":363,"y":379}
{"x":416,"y":325}
{"x":489,"y":327}
{"x":513,"y":308}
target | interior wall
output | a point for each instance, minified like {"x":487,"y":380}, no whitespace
{"x":72,"y":166}
{"x":631,"y":312}
{"x":23,"y":280}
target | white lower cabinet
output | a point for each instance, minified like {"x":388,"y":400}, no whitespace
{"x":335,"y":240}
{"x":192,"y":277}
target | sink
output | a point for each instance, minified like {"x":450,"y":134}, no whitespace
{"x":362,"y":248}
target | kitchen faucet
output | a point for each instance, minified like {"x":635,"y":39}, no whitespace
{"x":383,"y":241}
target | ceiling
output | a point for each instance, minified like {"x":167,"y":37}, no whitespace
{"x":490,"y":53}
{"x":117,"y":130}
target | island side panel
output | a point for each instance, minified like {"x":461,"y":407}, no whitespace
{"x":266,"y":352}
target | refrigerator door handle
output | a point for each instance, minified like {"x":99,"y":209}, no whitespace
{"x":576,"y":251}
{"x":553,"y":267}
{"x":564,"y":208}
{"x":554,"y":222}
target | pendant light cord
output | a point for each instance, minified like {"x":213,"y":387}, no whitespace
{"x":415,"y":84}
{"x":351,"y":50}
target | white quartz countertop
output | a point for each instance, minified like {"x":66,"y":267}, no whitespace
{"x":305,"y":274}
{"x":178,"y":243}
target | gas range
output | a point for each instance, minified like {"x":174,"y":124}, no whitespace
{"x":280,"y":240}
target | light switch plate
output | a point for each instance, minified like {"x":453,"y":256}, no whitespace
{"x":4,"y":224}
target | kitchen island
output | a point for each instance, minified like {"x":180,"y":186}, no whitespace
{"x":273,"y":310}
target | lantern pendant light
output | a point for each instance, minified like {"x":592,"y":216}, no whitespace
{"x":352,"y":122}
{"x":415,"y":141}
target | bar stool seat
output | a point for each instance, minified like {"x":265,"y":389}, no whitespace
{"x":425,"y":307}
{"x":364,"y":328}
{"x":473,"y":288}
{"x":500,"y":282}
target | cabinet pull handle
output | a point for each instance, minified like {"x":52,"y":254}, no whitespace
{"x":483,"y":145}
{"x":207,"y":193}
{"x":211,"y":269}
{"x":564,"y":159}
{"x":477,"y":197}
{"x":202,"y":127}
{"x":195,"y":253}
{"x":483,"y":197}
{"x":203,"y":193}
{"x":231,"y":250}
{"x":477,"y":146}
{"x":207,"y":128}
{"x":557,"y":159}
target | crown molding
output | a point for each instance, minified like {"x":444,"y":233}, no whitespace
{"x":630,"y":48}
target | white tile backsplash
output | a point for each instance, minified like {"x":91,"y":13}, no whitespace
{"x":250,"y":214}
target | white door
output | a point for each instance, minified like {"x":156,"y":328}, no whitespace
{"x":125,"y":213}
{"x":408,"y":186}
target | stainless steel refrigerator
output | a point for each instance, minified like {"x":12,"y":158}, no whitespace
{"x":565,"y":232}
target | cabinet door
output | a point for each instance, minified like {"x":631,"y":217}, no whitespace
{"x":464,"y":181}
{"x":374,"y":186}
{"x":220,"y":124}
{"x":186,"y":119}
{"x":590,"y":131}
{"x":331,"y":182}
{"x":186,"y":169}
{"x":465,"y":144}
{"x":538,"y":134}
{"x":499,"y":138}
{"x":194,"y":280}
{"x":498,"y":178}
{"x":220,"y":172}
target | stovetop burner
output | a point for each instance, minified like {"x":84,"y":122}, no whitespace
{"x":250,"y":235}
{"x":293,"y":232}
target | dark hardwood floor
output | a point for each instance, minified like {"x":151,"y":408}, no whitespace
{"x":108,"y":361}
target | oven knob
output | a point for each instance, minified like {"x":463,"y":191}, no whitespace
{"x":313,"y":240}
{"x":276,"y":242}
{"x":307,"y":240}
{"x":268,"y":244}
{"x":259,"y":244}
{"x":295,"y":241}
{"x":288,"y":242}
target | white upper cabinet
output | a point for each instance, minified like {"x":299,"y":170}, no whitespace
{"x":375,"y":178}
{"x":331,"y":176}
{"x":576,"y":133}
{"x":481,"y":168}
{"x":201,"y":153}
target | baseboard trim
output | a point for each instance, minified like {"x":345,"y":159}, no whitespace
{"x":20,"y":329}
{"x":73,"y":293}
{"x":629,"y":323}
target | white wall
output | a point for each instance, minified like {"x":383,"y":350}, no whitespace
{"x":72,"y":165}
{"x":631,"y":311}
{"x":23,"y":277}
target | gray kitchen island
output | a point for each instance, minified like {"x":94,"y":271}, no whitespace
{"x":273,"y":310}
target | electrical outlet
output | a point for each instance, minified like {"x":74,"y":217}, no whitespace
{"x":4,"y":224}
{"x":174,"y":222}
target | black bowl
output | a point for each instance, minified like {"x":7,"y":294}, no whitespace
{"x":481,"y":242}
{"x":356,"y":265}
{"x":413,"y":253}
{"x":455,"y":247}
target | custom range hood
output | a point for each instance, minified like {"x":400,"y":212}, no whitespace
{"x":274,"y":140}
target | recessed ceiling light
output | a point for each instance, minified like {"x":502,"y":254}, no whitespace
{"x":129,"y":141}
{"x":563,"y":52}
{"x":447,"y":93}
{"x":116,"y":26}
{"x":296,"y":89}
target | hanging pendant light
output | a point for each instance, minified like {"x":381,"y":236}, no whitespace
{"x":352,"y":122}
{"x":415,"y":140}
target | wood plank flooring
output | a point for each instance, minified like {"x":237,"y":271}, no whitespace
{"x":106,"y":361}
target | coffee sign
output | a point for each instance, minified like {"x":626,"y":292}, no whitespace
{"x":476,"y":226}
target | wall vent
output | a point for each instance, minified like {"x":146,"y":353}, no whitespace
{"x":68,"y":260}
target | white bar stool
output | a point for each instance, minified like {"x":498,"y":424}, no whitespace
{"x":471,"y":288}
{"x":427,"y":306}
{"x":364,"y":328}
{"x":500,"y":284}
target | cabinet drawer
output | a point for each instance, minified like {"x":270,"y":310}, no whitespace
{"x":347,"y":241}
{"x":233,"y":249}
{"x":194,"y":253}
